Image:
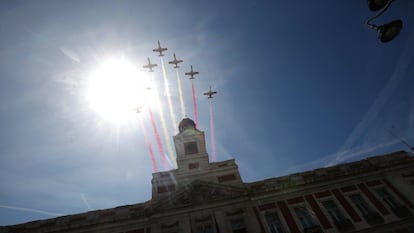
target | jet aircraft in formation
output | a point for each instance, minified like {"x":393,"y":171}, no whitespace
{"x":210,"y":93}
{"x":191,"y":73}
{"x":175,"y":61}
{"x":150,"y":65}
{"x":160,"y":49}
{"x":138,"y":109}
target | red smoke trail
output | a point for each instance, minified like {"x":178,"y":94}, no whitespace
{"x":147,"y":141}
{"x":162,"y":119}
{"x":213,"y":136}
{"x":158,"y":139}
{"x":194,"y":104}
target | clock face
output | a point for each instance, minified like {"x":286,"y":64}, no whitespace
{"x":190,"y":148}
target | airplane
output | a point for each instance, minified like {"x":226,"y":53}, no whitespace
{"x":137,"y":109}
{"x":160,"y":49}
{"x":175,"y":62}
{"x":191,"y":73}
{"x":210,"y":93}
{"x":150,"y":65}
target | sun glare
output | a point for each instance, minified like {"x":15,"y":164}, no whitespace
{"x":116,"y":89}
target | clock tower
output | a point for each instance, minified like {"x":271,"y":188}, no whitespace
{"x":193,"y":165}
{"x":190,"y":146}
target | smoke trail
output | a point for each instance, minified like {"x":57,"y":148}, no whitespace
{"x":31,"y":210}
{"x":167,"y":92}
{"x":85,"y":201}
{"x":213,"y":136}
{"x":163,"y":123}
{"x":194,"y":103}
{"x":180,"y":92}
{"x":358,"y":134}
{"x":158,"y":139}
{"x":147,"y":141}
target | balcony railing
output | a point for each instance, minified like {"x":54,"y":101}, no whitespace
{"x":373,"y":218}
{"x":401,"y":211}
{"x":344,"y":225}
{"x":313,"y":229}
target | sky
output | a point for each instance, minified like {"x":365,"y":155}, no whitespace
{"x":300,"y":85}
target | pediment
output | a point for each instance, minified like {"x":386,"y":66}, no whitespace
{"x":199,"y":193}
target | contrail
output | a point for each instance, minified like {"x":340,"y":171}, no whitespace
{"x":31,"y":210}
{"x":194,"y":102}
{"x":85,"y":201}
{"x":158,"y":139}
{"x":329,"y":160}
{"x":70,"y":54}
{"x":147,"y":141}
{"x":162,"y":119}
{"x":180,"y":92}
{"x":213,"y":136}
{"x":382,"y":98}
{"x":167,"y":91}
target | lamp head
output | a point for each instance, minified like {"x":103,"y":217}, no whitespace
{"x":376,"y":5}
{"x":389,"y":31}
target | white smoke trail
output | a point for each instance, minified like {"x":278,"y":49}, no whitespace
{"x":385,"y":94}
{"x":31,"y":210}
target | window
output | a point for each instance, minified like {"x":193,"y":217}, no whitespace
{"x":225,"y":178}
{"x":274,"y":223}
{"x":371,"y":216}
{"x":338,"y":218}
{"x":193,"y":166}
{"x":204,"y":228}
{"x":170,"y":228}
{"x":190,"y":148}
{"x":396,"y":207}
{"x":164,"y":189}
{"x":333,"y":211}
{"x":387,"y":198}
{"x":136,"y":231}
{"x":304,"y":217}
{"x":238,"y":226}
{"x":361,"y":204}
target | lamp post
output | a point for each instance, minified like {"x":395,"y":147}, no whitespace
{"x":388,"y":31}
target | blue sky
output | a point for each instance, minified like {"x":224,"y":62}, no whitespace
{"x":300,"y":85}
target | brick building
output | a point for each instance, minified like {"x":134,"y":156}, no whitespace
{"x":372,"y":195}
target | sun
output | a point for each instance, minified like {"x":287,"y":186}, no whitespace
{"x":116,"y":88}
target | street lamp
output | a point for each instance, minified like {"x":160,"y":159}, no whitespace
{"x":388,"y":31}
{"x":376,"y":5}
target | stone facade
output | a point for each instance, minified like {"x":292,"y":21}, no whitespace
{"x":372,"y":195}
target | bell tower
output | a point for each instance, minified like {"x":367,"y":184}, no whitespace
{"x":192,"y":164}
{"x":190,"y":146}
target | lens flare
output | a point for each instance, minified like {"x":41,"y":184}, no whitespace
{"x":115,"y":88}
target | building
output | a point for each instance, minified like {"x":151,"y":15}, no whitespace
{"x":372,"y":195}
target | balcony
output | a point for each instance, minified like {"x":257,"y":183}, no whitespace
{"x":401,"y":211}
{"x":373,"y":218}
{"x":344,"y":225}
{"x":313,"y":229}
